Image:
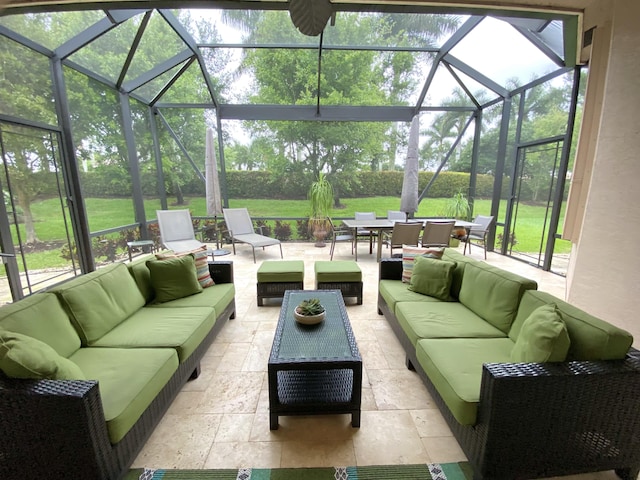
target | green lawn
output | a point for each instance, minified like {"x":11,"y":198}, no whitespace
{"x":109,"y":213}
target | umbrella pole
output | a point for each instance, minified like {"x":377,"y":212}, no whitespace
{"x":218,"y":251}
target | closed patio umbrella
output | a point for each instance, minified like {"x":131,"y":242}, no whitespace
{"x":409,"y":197}
{"x":212,"y":187}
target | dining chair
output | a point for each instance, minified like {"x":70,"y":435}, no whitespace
{"x":404,"y":233}
{"x":437,"y":234}
{"x":340,"y":235}
{"x":366,"y":233}
{"x":396,"y":216}
{"x":479,"y":234}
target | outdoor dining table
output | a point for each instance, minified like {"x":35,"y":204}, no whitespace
{"x":381,"y":224}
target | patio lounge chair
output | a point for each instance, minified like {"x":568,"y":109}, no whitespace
{"x":241,"y":230}
{"x":176,"y":231}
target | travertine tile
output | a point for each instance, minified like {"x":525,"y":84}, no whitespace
{"x":399,"y":390}
{"x":244,"y":454}
{"x":387,"y":438}
{"x":443,"y":449}
{"x":180,"y":441}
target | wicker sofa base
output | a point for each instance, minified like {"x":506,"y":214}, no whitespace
{"x":275,"y":289}
{"x":543,"y":420}
{"x":348,"y":289}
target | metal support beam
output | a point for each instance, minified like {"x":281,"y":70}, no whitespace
{"x":158,"y":157}
{"x":181,"y":147}
{"x":513,"y":186}
{"x":134,"y":48}
{"x":134,"y":165}
{"x":308,"y":112}
{"x":473,"y":171}
{"x":558,"y":197}
{"x":71,"y":172}
{"x":500,"y":165}
{"x":444,"y":160}
{"x":158,"y":70}
{"x":188,"y":39}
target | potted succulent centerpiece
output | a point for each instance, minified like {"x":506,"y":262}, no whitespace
{"x":309,"y":312}
{"x":321,"y":200}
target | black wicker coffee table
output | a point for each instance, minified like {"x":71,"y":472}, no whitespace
{"x":314,"y":369}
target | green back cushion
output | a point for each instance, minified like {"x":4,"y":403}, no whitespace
{"x":140,"y":273}
{"x":174,"y":278}
{"x":42,"y":317}
{"x":22,"y":356}
{"x":98,"y":301}
{"x":432,"y":277}
{"x":493,"y":294}
{"x":591,"y":338}
{"x":543,"y":337}
{"x":458,"y":273}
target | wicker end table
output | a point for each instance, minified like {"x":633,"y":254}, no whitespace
{"x":314,"y":369}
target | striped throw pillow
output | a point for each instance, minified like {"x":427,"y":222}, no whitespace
{"x":409,"y":253}
{"x":202,"y":264}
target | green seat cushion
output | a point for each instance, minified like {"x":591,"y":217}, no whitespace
{"x":217,"y":296}
{"x":98,"y":301}
{"x":181,"y":328}
{"x":337,"y":271}
{"x":41,"y":316}
{"x":492,"y":293}
{"x":281,"y":271}
{"x":129,"y":379}
{"x":174,"y":278}
{"x":432,"y":277}
{"x":591,"y":338}
{"x":442,"y":320}
{"x":543,"y":337}
{"x":454,"y":366}
{"x":22,"y":356}
{"x":395,"y":291}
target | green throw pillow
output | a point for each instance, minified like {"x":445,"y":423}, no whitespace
{"x":22,"y":356}
{"x":543,"y":337}
{"x":432,"y":277}
{"x":174,"y":278}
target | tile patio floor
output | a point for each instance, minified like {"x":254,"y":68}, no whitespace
{"x":220,"y":420}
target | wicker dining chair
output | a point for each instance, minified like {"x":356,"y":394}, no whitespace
{"x":404,"y":233}
{"x":437,"y":234}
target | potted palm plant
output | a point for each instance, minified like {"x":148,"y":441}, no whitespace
{"x":457,"y":207}
{"x":321,"y":200}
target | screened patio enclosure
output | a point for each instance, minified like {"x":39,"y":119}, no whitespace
{"x":103,"y":118}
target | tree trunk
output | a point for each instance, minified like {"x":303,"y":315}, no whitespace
{"x":25,"y":203}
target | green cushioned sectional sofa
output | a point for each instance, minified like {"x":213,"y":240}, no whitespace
{"x":578,"y":411}
{"x":134,"y":354}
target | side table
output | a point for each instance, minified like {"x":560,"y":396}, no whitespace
{"x":140,"y":244}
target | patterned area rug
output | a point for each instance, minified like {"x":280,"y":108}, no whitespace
{"x":431,"y":471}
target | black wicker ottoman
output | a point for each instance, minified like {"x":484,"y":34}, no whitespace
{"x":277,"y":276}
{"x":345,"y":276}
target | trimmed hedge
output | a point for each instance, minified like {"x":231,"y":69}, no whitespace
{"x":263,"y":184}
